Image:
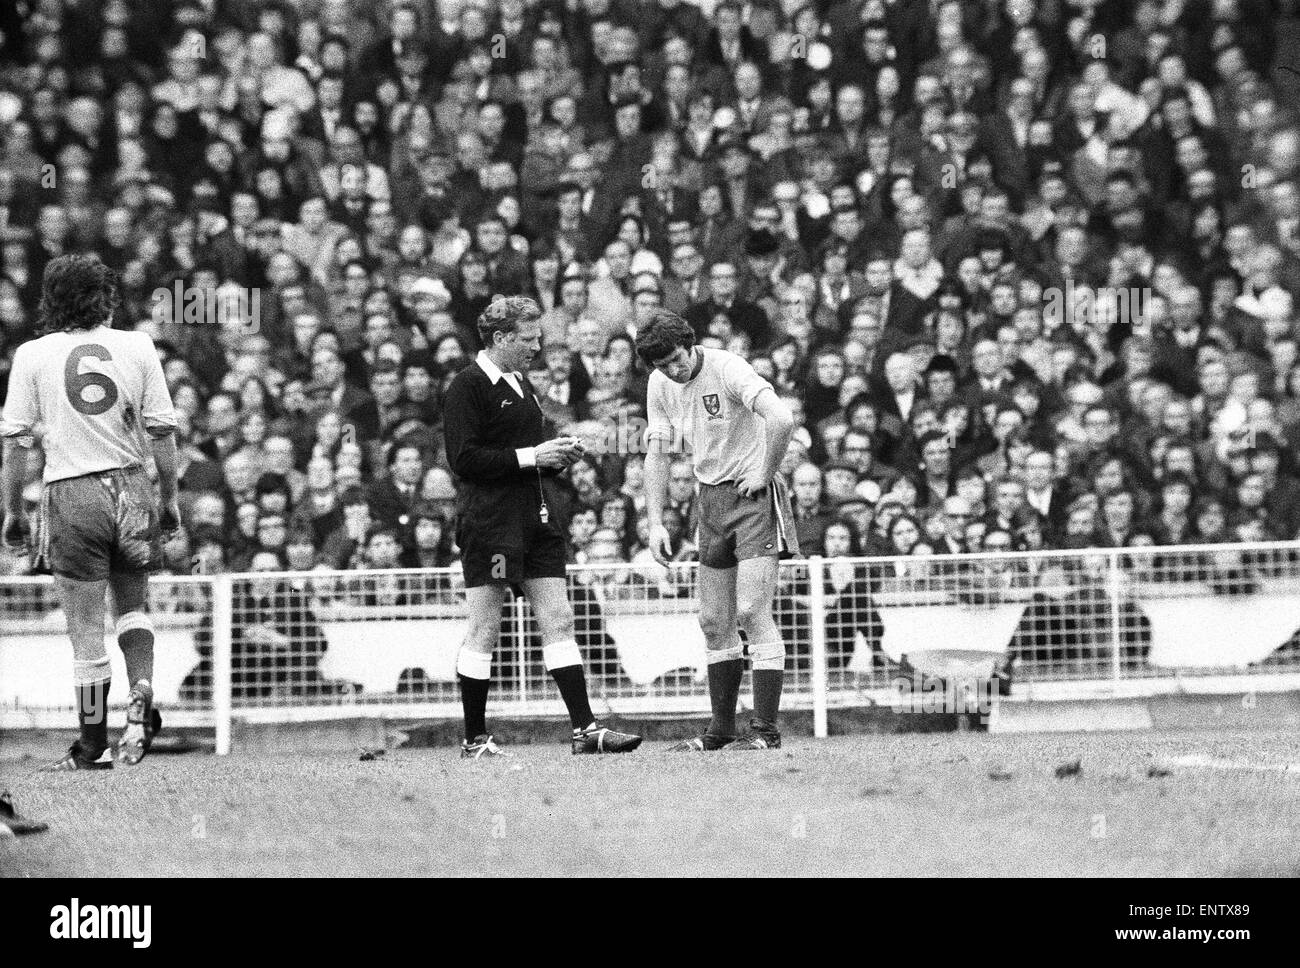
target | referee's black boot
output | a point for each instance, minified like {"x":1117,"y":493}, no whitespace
{"x":482,"y":747}
{"x":600,"y":739}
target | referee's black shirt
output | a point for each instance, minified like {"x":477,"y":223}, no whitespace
{"x":484,"y":423}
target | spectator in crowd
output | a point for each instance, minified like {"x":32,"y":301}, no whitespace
{"x":277,"y":640}
{"x":984,"y":262}
{"x":394,"y":498}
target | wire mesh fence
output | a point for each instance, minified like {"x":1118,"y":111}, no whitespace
{"x":277,"y":646}
{"x":36,"y":655}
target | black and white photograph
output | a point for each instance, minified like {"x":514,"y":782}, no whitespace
{"x":593,"y":439}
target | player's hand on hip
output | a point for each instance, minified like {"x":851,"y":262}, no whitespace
{"x":752,"y":485}
{"x":170,"y":519}
{"x":661,"y":545}
{"x":16,"y":532}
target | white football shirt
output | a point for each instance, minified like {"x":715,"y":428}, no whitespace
{"x":714,"y":413}
{"x":96,"y":397}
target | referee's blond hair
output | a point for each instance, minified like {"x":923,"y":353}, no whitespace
{"x":504,"y":314}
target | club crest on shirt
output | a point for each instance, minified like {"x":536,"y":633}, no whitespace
{"x":712,"y":404}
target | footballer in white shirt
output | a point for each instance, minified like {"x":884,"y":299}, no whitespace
{"x":738,"y":431}
{"x":96,"y":399}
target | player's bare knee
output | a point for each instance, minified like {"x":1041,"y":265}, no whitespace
{"x":716,"y":626}
{"x":753,"y":615}
{"x":482,"y":636}
{"x":555,"y":628}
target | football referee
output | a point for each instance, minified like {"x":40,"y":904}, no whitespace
{"x":505,"y":466}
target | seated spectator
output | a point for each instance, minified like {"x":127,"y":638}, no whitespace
{"x":344,"y":546}
{"x":437,"y":489}
{"x":849,"y":612}
{"x":582,"y":526}
{"x":884,"y":303}
{"x":429,"y":543}
{"x":904,"y":534}
{"x":811,"y":515}
{"x":587,"y":483}
{"x":272,"y":533}
{"x":394,"y":498}
{"x":617,"y":513}
{"x":300,"y":550}
{"x":276,"y":641}
{"x":273,"y":494}
{"x":383,"y":553}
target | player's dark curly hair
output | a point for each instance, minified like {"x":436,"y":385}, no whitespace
{"x":504,"y":314}
{"x":661,"y":334}
{"x":78,"y":292}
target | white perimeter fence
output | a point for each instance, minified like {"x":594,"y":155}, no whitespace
{"x":298,"y":647}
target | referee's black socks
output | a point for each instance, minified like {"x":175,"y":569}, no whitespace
{"x":473,"y":672}
{"x":564,"y":663}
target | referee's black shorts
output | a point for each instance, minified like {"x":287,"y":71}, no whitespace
{"x":529,"y":550}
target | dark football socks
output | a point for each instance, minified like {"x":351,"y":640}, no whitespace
{"x":767,"y":694}
{"x":92,"y":714}
{"x":473,"y":701}
{"x":573,"y":690}
{"x":724,"y":692}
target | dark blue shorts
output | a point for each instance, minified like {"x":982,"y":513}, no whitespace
{"x":101,"y":524}
{"x":733,"y":528}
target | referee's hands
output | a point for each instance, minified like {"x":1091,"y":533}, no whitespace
{"x":661,"y":545}
{"x":560,"y":452}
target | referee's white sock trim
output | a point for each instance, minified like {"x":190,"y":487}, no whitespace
{"x":767,"y":655}
{"x":560,"y":655}
{"x":474,"y":665}
{"x":726,"y":655}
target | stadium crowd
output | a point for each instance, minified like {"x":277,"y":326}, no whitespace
{"x":1025,"y":269}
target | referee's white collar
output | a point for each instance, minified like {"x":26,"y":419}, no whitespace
{"x":494,"y":372}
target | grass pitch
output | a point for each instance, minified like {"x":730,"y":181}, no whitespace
{"x":912,"y":804}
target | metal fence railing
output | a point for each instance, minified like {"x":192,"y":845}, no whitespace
{"x":281,"y":647}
